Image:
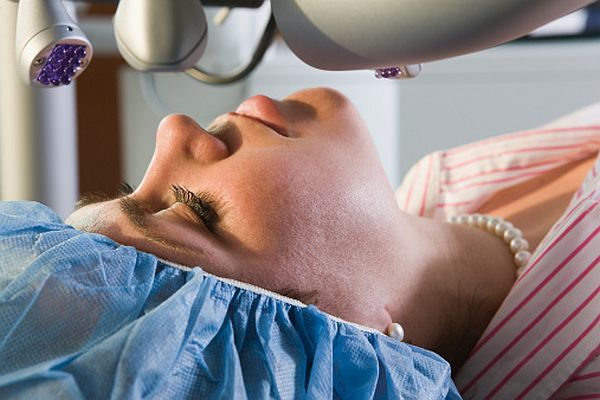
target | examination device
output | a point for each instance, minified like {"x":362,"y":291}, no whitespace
{"x":392,"y":37}
{"x":50,"y":48}
{"x":161,"y":35}
{"x":396,"y":34}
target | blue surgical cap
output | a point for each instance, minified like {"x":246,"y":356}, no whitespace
{"x":82,"y":317}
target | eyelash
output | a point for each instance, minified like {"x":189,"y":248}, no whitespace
{"x":201,"y":206}
{"x":125,"y":188}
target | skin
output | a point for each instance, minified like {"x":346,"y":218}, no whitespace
{"x":290,"y":206}
{"x":305,"y":209}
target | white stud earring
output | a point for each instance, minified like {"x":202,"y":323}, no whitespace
{"x":396,"y":331}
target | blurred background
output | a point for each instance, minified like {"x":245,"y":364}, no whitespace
{"x":516,"y":86}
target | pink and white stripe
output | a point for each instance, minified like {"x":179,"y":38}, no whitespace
{"x":544,"y":341}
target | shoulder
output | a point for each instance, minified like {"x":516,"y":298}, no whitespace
{"x":547,"y":328}
{"x":460,"y":179}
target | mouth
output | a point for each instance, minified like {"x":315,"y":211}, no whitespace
{"x":266,"y":111}
{"x":224,"y":129}
{"x":275,"y":128}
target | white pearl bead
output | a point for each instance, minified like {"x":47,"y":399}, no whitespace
{"x":522,"y":257}
{"x":511,"y":234}
{"x":518,"y":244}
{"x":396,"y":331}
{"x":502,"y":227}
{"x":472,"y":220}
{"x":482,"y":221}
{"x":491,"y":224}
{"x":463,"y":219}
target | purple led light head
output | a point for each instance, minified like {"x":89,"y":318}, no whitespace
{"x":64,"y":62}
{"x":50,"y":48}
{"x":400,"y":72}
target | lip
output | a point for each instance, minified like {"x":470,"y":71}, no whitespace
{"x":264,"y":110}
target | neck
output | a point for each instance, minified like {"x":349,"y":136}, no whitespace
{"x":449,"y":282}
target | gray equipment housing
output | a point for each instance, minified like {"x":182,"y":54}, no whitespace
{"x":161,"y":35}
{"x":365,"y":34}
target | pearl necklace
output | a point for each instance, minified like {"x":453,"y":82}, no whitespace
{"x":496,"y":225}
{"x":504,"y":230}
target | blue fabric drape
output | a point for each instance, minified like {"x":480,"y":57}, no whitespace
{"x":82,"y":317}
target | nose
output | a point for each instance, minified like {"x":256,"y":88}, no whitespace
{"x":179,"y":138}
{"x":182,"y":147}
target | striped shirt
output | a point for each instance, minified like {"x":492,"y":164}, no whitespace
{"x":544,"y":340}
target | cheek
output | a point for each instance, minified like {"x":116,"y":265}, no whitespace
{"x":292,"y":206}
{"x":270,"y":198}
{"x":262,"y":209}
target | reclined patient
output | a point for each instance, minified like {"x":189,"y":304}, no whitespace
{"x":291,"y":197}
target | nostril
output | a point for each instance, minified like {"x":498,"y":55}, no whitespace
{"x":179,"y":137}
{"x":228,"y":133}
{"x":208,"y":148}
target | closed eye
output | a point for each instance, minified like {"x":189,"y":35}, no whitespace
{"x":199,"y":203}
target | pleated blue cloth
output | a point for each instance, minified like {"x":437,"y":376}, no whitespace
{"x":82,"y":317}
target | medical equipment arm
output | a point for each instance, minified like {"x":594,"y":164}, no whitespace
{"x":391,"y":36}
{"x":359,"y":34}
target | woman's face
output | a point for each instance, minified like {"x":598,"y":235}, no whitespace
{"x":287,"y":195}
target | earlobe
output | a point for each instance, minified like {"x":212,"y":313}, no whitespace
{"x":382,"y":320}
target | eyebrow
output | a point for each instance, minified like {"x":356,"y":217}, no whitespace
{"x":87,"y":199}
{"x":92,"y":198}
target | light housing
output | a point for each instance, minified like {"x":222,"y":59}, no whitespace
{"x":161,"y":35}
{"x":51,"y":50}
